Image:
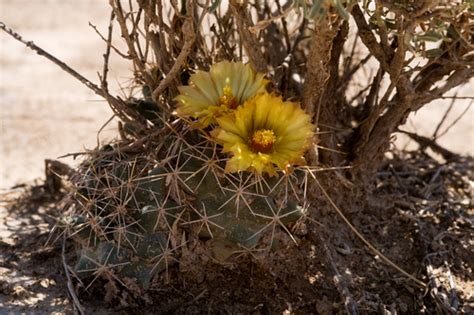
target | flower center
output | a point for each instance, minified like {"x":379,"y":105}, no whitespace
{"x":262,"y":140}
{"x":228,"y":99}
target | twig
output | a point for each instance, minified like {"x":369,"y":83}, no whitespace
{"x":349,"y":72}
{"x":262,"y":24}
{"x":105,"y":70}
{"x":249,"y":40}
{"x":189,"y":38}
{"x":70,"y":286}
{"x":121,"y":54}
{"x":117,"y":105}
{"x":398,"y":179}
{"x":457,"y":78}
{"x":367,"y":127}
{"x":157,"y":37}
{"x":130,"y":41}
{"x":135,"y":32}
{"x":285,"y":28}
{"x":457,"y":97}
{"x":102,"y":128}
{"x":73,"y":154}
{"x":445,"y":115}
{"x":368,"y":38}
{"x":55,"y":60}
{"x":383,"y":32}
{"x":454,"y":122}
{"x":427,"y":142}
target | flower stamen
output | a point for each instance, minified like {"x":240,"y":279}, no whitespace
{"x":228,"y":99}
{"x":262,"y":141}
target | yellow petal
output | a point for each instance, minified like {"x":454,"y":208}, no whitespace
{"x":264,"y":113}
{"x":206,"y":89}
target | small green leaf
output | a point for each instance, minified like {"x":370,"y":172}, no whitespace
{"x":315,"y":9}
{"x":453,"y":33}
{"x":340,"y":8}
{"x":430,"y":36}
{"x":214,"y":6}
{"x":433,"y":53}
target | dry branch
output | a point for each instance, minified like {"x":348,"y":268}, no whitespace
{"x":104,"y":82}
{"x":118,"y":106}
{"x":427,"y":142}
{"x":189,"y":38}
{"x":249,"y":40}
{"x":369,"y":39}
{"x":131,"y":38}
{"x":458,"y":77}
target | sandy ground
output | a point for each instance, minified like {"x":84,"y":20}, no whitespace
{"x":45,"y":113}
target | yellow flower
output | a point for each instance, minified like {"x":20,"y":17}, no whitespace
{"x":219,"y":91}
{"x":263,"y":133}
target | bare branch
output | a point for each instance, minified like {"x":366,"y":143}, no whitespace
{"x":105,"y":70}
{"x":130,"y":41}
{"x":249,"y":39}
{"x":427,"y":142}
{"x":455,"y":121}
{"x":457,"y":78}
{"x":369,"y":39}
{"x":189,"y":38}
{"x":52,"y":58}
{"x":121,"y":54}
{"x":117,"y":105}
{"x":443,"y":119}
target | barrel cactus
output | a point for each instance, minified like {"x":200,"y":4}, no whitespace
{"x":223,"y":170}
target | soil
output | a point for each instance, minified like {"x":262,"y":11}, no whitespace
{"x":420,"y":216}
